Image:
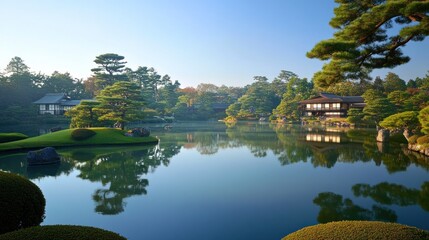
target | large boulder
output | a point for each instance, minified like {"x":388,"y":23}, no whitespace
{"x":46,"y":155}
{"x":383,"y":135}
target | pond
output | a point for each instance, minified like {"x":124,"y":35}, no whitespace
{"x":246,"y":181}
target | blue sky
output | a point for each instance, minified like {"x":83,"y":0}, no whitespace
{"x":194,"y":41}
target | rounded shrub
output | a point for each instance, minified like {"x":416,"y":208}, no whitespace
{"x":82,"y":134}
{"x":63,"y":232}
{"x":354,"y":230}
{"x":10,"y":137}
{"x":413,"y":139}
{"x":22,"y":204}
{"x":423,"y":140}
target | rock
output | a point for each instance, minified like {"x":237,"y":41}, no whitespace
{"x":43,"y":156}
{"x":383,"y":135}
{"x":138,"y":132}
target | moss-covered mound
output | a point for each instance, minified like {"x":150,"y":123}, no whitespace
{"x":22,"y":204}
{"x":359,"y":230}
{"x":61,"y":232}
{"x":10,"y":137}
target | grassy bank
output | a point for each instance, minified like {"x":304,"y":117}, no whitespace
{"x":103,"y":136}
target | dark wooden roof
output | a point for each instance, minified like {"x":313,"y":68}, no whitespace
{"x":51,"y":98}
{"x":57,"y":98}
{"x":332,"y":98}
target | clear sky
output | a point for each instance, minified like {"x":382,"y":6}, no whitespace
{"x":194,"y":41}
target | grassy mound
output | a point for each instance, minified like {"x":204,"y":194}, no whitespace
{"x":22,"y":204}
{"x":63,"y":138}
{"x":61,"y":232}
{"x":359,"y":230}
{"x":10,"y":137}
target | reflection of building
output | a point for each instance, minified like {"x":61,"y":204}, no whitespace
{"x":322,"y":138}
{"x":55,"y":103}
{"x":330,"y":105}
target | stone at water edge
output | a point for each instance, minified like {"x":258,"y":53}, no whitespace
{"x":46,"y":155}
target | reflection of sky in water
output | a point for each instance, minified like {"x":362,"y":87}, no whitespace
{"x":245,"y":182}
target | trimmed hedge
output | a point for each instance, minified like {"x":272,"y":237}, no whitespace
{"x":61,"y":232}
{"x":22,"y":204}
{"x":10,"y":137}
{"x":82,"y":134}
{"x":359,"y":230}
{"x":423,"y":140}
{"x":413,"y":139}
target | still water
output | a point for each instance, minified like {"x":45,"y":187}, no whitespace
{"x":247,"y":181}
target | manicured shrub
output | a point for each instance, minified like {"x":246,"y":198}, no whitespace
{"x":61,"y":232}
{"x":10,"y":137}
{"x":22,"y":204}
{"x":353,"y":230}
{"x":423,"y":140}
{"x":413,"y":139}
{"x":82,"y":134}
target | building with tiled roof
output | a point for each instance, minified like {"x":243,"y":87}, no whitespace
{"x":55,"y":103}
{"x":330,"y":105}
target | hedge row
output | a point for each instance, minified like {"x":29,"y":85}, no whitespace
{"x":61,"y":232}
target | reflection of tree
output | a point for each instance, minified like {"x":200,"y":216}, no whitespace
{"x":334,"y":208}
{"x":122,"y":174}
{"x":394,"y":194}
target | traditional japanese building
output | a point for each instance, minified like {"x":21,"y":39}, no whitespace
{"x":55,"y":103}
{"x":330,"y":105}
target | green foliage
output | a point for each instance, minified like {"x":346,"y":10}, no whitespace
{"x":363,"y":41}
{"x":9,"y":137}
{"x":63,"y":232}
{"x":120,"y":103}
{"x":296,"y":90}
{"x":402,"y":121}
{"x":423,"y":140}
{"x":22,"y":204}
{"x":84,"y":115}
{"x":355,"y":116}
{"x":377,"y":108}
{"x":398,"y":98}
{"x":82,"y":134}
{"x":392,"y":83}
{"x":353,"y":230}
{"x":424,"y":119}
{"x":230,"y":119}
{"x":109,"y":70}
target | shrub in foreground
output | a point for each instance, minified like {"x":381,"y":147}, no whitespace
{"x":354,"y":230}
{"x":82,"y":134}
{"x":61,"y":232}
{"x":22,"y":204}
{"x":10,"y":137}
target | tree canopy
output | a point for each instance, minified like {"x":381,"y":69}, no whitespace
{"x":364,"y":39}
{"x":119,"y":103}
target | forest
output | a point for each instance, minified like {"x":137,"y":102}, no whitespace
{"x":154,"y":94}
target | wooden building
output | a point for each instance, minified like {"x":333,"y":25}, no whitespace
{"x":328,"y":105}
{"x":55,"y":103}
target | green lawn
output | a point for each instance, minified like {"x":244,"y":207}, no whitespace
{"x":103,"y":136}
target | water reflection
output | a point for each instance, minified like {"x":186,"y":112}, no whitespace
{"x":334,"y":208}
{"x":120,"y":170}
{"x":394,"y":194}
